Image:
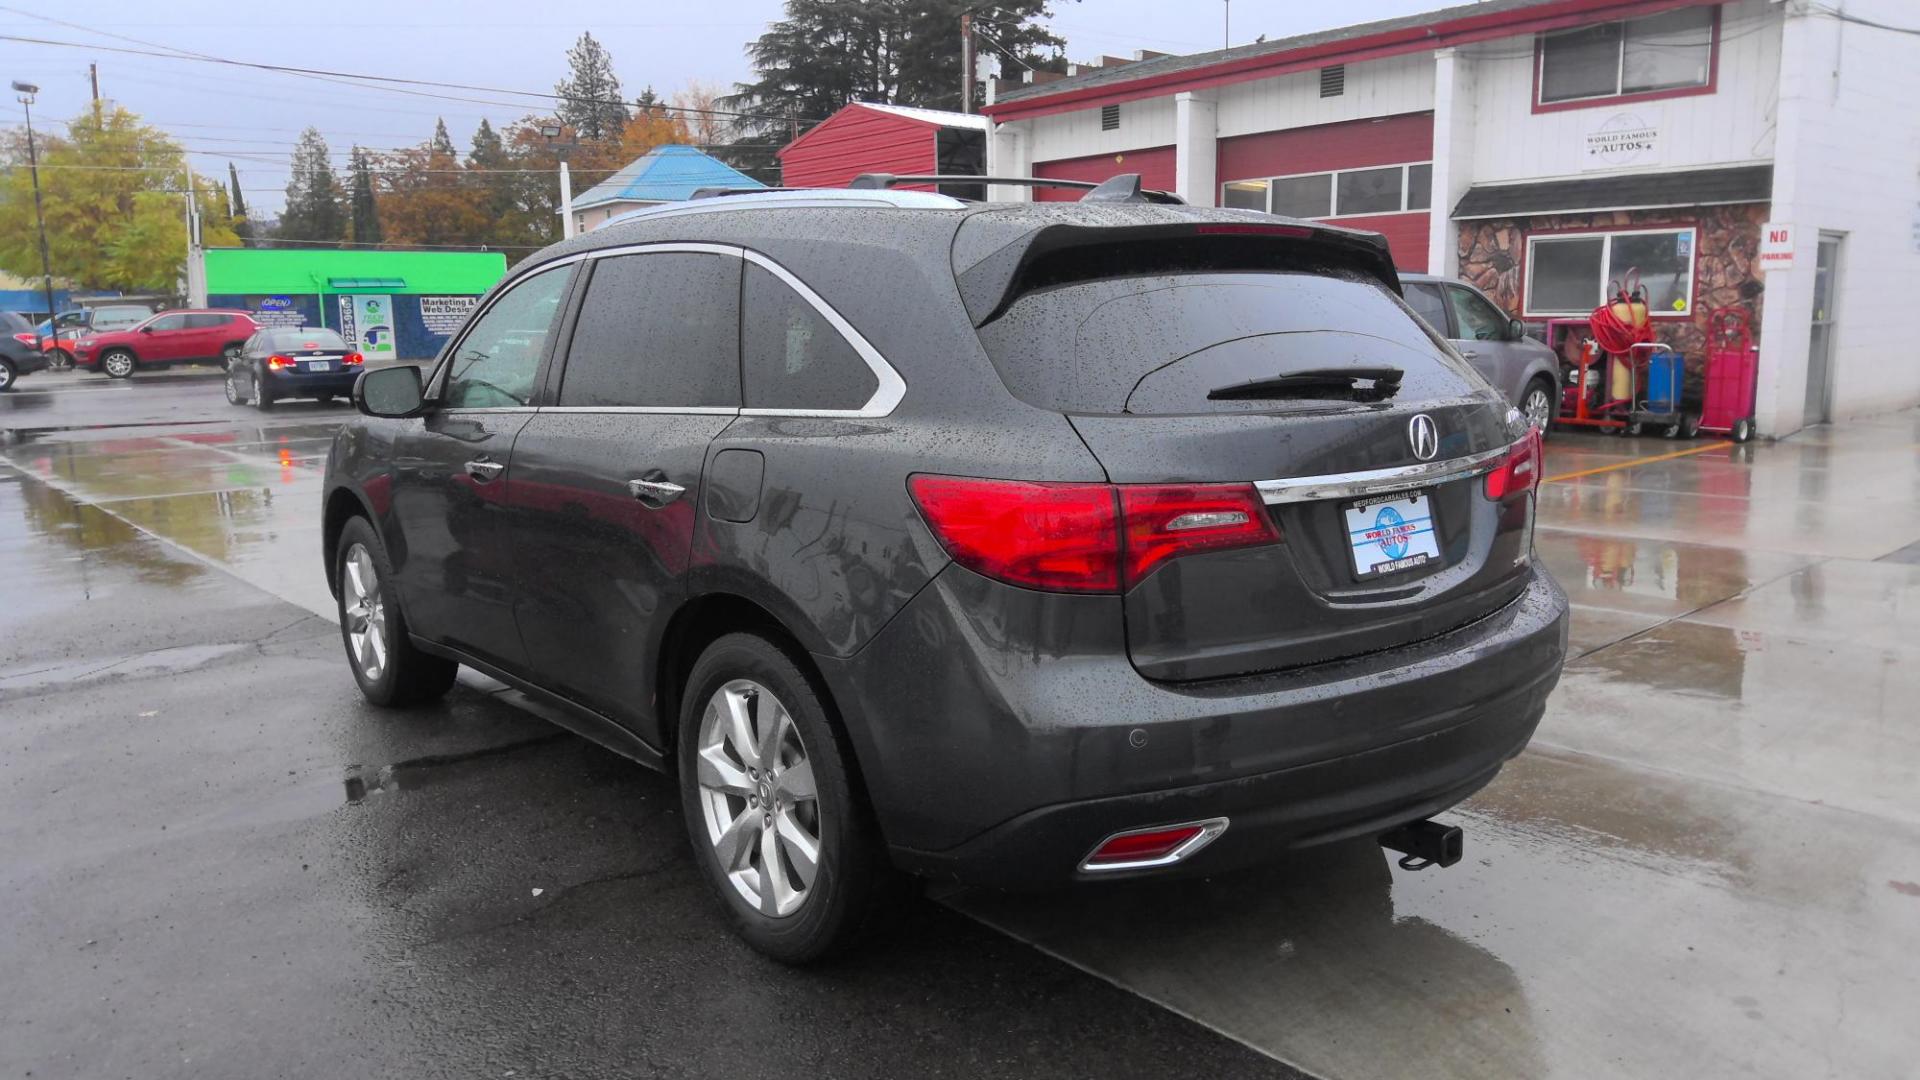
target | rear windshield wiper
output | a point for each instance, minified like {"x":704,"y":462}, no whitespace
{"x":1337,"y":384}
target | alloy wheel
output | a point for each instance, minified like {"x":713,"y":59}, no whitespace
{"x":1538,"y":407}
{"x":233,"y":392}
{"x":119,"y":365}
{"x":6,"y":376}
{"x":757,"y":791}
{"x":365,"y":613}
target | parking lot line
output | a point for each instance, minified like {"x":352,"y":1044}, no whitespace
{"x":1598,"y":469}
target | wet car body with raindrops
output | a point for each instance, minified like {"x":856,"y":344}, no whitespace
{"x":1011,"y":545}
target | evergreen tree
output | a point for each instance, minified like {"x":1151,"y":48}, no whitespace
{"x":365,"y":211}
{"x":314,"y":210}
{"x":242,"y":228}
{"x":590,"y":101}
{"x":486,"y":163}
{"x":826,"y":53}
{"x":442,"y":142}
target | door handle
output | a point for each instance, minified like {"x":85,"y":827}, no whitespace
{"x":483,"y":470}
{"x":654,"y":494}
{"x":1469,"y":353}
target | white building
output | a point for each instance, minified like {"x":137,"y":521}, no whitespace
{"x":1541,"y":147}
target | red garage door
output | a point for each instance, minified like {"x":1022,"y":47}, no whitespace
{"x":1155,"y":167}
{"x":1364,"y":163}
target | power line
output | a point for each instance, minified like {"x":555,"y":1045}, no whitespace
{"x":397,"y":81}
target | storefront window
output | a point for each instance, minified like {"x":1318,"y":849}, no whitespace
{"x":1573,"y":274}
{"x":1669,"y":51}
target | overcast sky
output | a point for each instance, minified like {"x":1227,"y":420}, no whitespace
{"x":252,"y":117}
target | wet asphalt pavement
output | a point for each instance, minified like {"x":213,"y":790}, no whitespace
{"x":219,"y":862}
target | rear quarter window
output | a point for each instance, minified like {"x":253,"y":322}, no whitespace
{"x":1157,"y":343}
{"x":791,"y":356}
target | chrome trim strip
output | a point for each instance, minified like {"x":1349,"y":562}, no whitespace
{"x":650,"y":410}
{"x":1375,"y":481}
{"x":1210,"y":830}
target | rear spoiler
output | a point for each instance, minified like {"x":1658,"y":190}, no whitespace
{"x":999,"y":276}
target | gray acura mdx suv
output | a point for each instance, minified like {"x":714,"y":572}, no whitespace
{"x":1013,"y":544}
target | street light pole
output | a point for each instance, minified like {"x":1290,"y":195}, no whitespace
{"x":27,"y":92}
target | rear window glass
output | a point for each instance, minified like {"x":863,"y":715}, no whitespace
{"x":312,"y":337}
{"x":1157,"y":343}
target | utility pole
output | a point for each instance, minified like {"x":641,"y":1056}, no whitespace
{"x":93,"y":76}
{"x":1226,"y":29}
{"x":27,"y":92}
{"x":196,"y":255}
{"x":966,"y":62}
{"x":550,"y":132}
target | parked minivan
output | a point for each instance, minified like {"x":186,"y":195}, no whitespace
{"x":1014,"y":544}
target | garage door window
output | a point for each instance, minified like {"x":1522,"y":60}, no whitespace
{"x":1386,"y":189}
{"x":1570,"y":275}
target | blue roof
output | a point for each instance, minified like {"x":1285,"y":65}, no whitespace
{"x":666,"y":174}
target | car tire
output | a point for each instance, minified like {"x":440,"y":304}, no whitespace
{"x":755,"y":801}
{"x":263,"y":398}
{"x":234,"y":396}
{"x":389,"y":669}
{"x":324,"y":399}
{"x":60,"y":360}
{"x":7,"y":375}
{"x":1539,"y":395}
{"x":118,"y":364}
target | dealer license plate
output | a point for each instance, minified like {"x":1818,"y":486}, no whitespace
{"x":1391,"y":532}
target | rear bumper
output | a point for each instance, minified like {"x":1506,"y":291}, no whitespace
{"x":29,"y":362}
{"x":1001,"y":738}
{"x":299,"y":384}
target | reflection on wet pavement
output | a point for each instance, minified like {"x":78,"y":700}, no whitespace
{"x":1704,"y":866}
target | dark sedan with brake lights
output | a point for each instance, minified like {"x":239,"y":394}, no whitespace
{"x":298,"y":362}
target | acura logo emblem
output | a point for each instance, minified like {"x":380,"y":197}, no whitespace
{"x":1424,"y":437}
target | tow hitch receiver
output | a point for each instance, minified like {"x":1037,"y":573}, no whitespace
{"x":1425,"y":843}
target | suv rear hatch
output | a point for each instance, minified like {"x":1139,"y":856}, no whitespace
{"x":1284,"y":360}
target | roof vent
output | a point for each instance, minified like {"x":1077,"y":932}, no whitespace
{"x":1110,"y":117}
{"x":1333,"y":80}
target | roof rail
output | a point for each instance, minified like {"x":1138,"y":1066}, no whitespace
{"x":716,"y":192}
{"x":1121,"y":187}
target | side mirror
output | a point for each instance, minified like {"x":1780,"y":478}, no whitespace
{"x":390,"y":392}
{"x":1516,"y":330}
{"x":146,"y":329}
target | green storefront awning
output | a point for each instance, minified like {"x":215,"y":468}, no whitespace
{"x":277,"y":271}
{"x":394,"y":283}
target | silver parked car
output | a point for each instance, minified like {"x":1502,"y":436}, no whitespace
{"x":1525,"y":370}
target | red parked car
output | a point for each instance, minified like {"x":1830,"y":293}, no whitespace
{"x":169,"y":337}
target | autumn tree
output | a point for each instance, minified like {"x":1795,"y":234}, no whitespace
{"x":112,"y":191}
{"x":590,"y":94}
{"x":425,"y":198}
{"x":697,"y":107}
{"x":314,"y":210}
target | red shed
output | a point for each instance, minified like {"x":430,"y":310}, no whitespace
{"x":865,"y":137}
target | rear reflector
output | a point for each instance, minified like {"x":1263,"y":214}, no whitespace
{"x":1161,"y":845}
{"x":1085,"y":537}
{"x":1519,"y":472}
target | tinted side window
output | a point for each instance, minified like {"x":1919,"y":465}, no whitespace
{"x":1425,"y":301}
{"x":170,"y":322}
{"x":792,"y":357}
{"x":495,"y":364}
{"x":659,"y":330}
{"x":1479,"y":320}
{"x":206,"y":322}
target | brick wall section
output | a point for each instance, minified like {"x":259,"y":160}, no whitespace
{"x":1493,"y":256}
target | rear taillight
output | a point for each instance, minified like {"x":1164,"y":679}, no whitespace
{"x":353,"y":358}
{"x":28,"y":339}
{"x":279,"y":363}
{"x":1519,"y":472}
{"x":1085,"y":537}
{"x":1165,"y":523}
